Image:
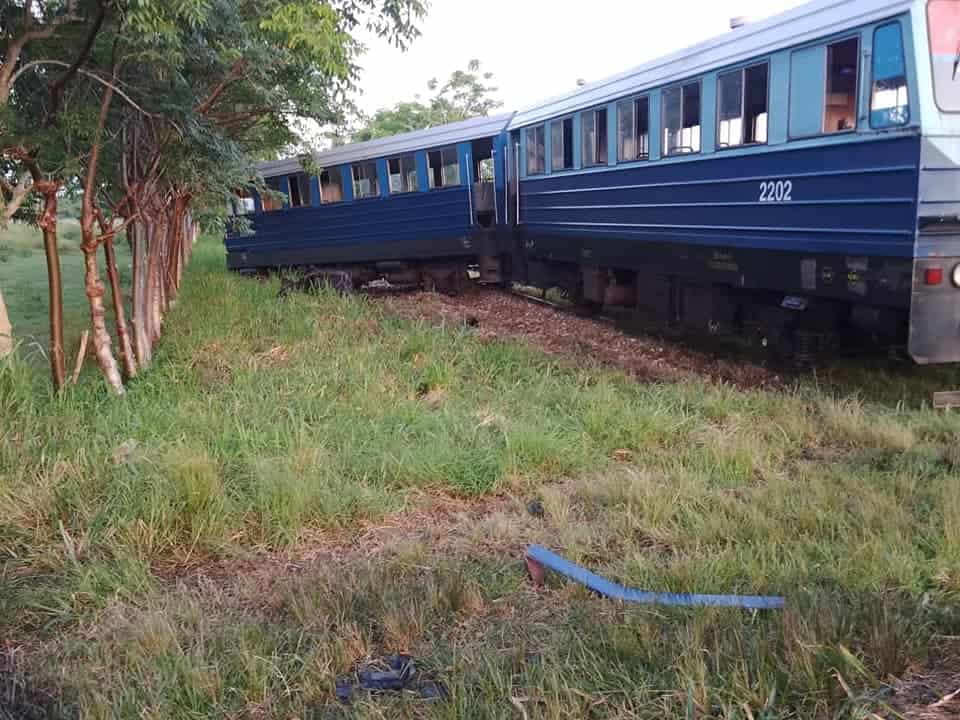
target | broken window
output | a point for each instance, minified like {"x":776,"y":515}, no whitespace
{"x":594,"y":132}
{"x":681,"y":119}
{"x":331,"y":186}
{"x":444,"y":167}
{"x":561,"y":144}
{"x":633,"y":129}
{"x":403,"y":174}
{"x":889,"y":101}
{"x":536,"y":153}
{"x":840,"y":112}
{"x":742,"y":107}
{"x":365,"y":180}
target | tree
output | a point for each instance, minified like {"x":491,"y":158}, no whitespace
{"x":165,"y":110}
{"x":6,"y":331}
{"x":465,"y":94}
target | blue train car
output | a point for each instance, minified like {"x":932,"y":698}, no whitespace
{"x":796,"y":178}
{"x":416,"y":207}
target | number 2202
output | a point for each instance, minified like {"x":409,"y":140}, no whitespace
{"x":776,"y":191}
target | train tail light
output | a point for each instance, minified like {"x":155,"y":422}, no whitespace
{"x":933,"y":276}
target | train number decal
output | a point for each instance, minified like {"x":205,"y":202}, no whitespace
{"x":776,"y":191}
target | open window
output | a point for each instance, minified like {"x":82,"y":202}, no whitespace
{"x":299,"y":189}
{"x":840,"y":107}
{"x":365,"y":183}
{"x":270,"y":201}
{"x":742,"y":106}
{"x":481,"y":151}
{"x":536,"y":151}
{"x":593,"y":124}
{"x":403,"y":174}
{"x":444,"y":167}
{"x":331,"y":186}
{"x":241,"y":202}
{"x":889,"y":101}
{"x":633,"y":129}
{"x":681,"y":119}
{"x":561,"y":144}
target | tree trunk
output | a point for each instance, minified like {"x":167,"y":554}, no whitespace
{"x":102,"y":344}
{"x":127,"y":359}
{"x":48,"y":224}
{"x":137,"y":236}
{"x":6,"y":331}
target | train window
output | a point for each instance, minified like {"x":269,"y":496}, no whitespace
{"x":444,"y":167}
{"x":840,"y":108}
{"x":403,"y":174}
{"x":331,"y":186}
{"x":561,"y":145}
{"x":633,"y":129}
{"x":241,"y":203}
{"x":270,"y":200}
{"x":593,"y":128}
{"x":742,"y":107}
{"x":943,"y":19}
{"x":299,"y":185}
{"x":536,"y":154}
{"x":365,"y":180}
{"x":889,"y":103}
{"x":681,"y":119}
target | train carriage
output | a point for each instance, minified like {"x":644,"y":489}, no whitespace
{"x":413,"y":208}
{"x":793,"y":180}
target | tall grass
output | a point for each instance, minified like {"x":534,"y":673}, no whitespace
{"x":269,"y":426}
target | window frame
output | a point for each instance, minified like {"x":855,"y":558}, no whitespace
{"x":742,"y":69}
{"x":597,"y":162}
{"x":403,"y":177}
{"x":906,"y":76}
{"x":440,"y":150}
{"x":858,"y":81}
{"x":375,"y":184}
{"x":573,"y":160}
{"x":633,"y":101}
{"x":665,"y":150}
{"x":526,"y":149}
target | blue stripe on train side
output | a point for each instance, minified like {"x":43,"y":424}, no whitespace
{"x":439,"y":213}
{"x":853,"y":198}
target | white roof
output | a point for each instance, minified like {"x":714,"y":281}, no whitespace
{"x":807,"y":22}
{"x":394,"y":145}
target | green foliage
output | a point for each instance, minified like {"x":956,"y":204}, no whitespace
{"x":466,"y":94}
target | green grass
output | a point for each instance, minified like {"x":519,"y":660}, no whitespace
{"x":299,"y":484}
{"x":23,"y":278}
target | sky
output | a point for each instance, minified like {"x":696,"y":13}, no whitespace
{"x":540,"y":48}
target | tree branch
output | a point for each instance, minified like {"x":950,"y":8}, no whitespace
{"x":106,"y":83}
{"x":56,"y":89}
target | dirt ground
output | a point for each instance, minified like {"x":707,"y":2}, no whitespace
{"x":497,"y":314}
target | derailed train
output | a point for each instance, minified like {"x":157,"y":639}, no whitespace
{"x":796,"y":180}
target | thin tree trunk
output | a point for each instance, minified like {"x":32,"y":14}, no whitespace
{"x":48,"y":224}
{"x":102,"y":344}
{"x":137,"y":236}
{"x":127,"y":358}
{"x":6,"y":331}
